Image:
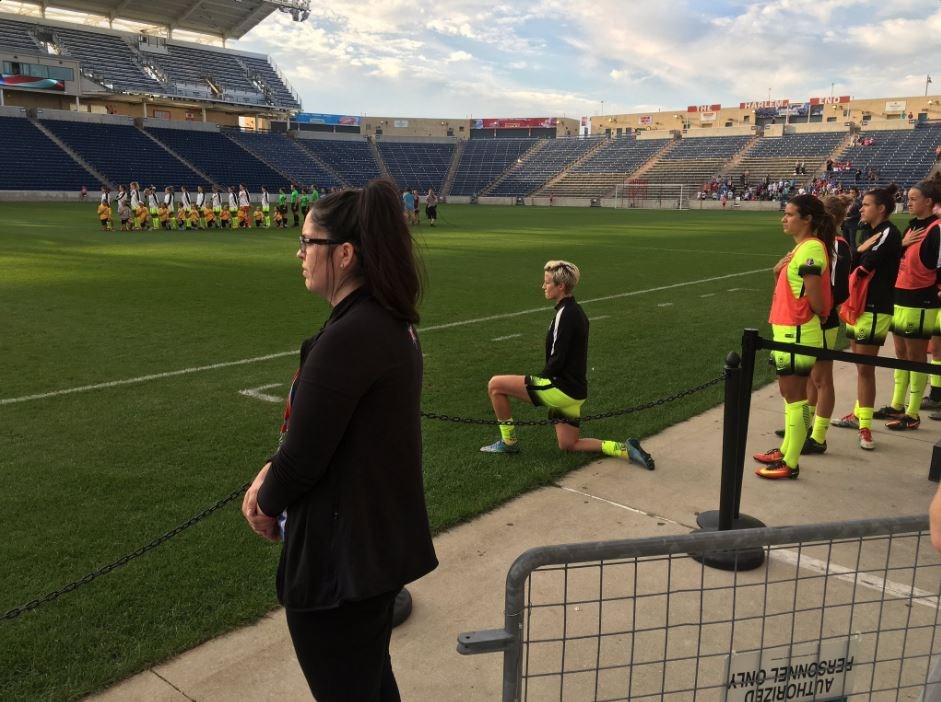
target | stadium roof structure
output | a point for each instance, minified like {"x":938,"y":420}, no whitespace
{"x":228,"y":19}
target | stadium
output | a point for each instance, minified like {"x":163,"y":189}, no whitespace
{"x":144,"y":373}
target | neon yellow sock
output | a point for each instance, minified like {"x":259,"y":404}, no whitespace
{"x":865,"y":417}
{"x":936,"y":379}
{"x":267,"y":222}
{"x":508,"y":432}
{"x":786,"y":439}
{"x":900,"y":389}
{"x":821,"y":424}
{"x":856,"y":408}
{"x":917,"y":385}
{"x":809,"y":416}
{"x":613,"y":448}
{"x":796,"y":429}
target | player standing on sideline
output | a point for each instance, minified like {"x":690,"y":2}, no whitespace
{"x":135,"y":203}
{"x":266,"y":206}
{"x":201,"y":206}
{"x":821,"y":396}
{"x":153,"y":205}
{"x":314,"y":195}
{"x":563,"y":385}
{"x":216,"y":201}
{"x":186,"y":202}
{"x":105,"y":198}
{"x":872,"y":285}
{"x":168,"y":202}
{"x":916,"y":296}
{"x":305,"y":202}
{"x":121,"y":197}
{"x":802,"y":297}
{"x":431,"y":207}
{"x":233,"y":205}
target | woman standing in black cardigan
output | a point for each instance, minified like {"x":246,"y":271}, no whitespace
{"x":344,"y":492}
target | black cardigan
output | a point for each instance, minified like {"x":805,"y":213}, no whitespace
{"x":349,"y":472}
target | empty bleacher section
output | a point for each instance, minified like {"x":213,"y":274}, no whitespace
{"x":108,"y":59}
{"x":417,"y":165}
{"x":484,"y":160}
{"x":29,"y":160}
{"x":351,"y":159}
{"x":605,"y":169}
{"x":285,"y":155}
{"x":122,"y":153}
{"x":902,"y":156}
{"x":692,"y":161}
{"x":117,"y":61}
{"x":776,"y":156}
{"x":16,"y":35}
{"x":542,"y":164}
{"x":221,"y":159}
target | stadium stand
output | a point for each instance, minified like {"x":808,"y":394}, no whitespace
{"x":351,"y":159}
{"x":775,"y":157}
{"x":16,"y":35}
{"x":542,"y":164}
{"x":286,"y":156}
{"x":122,"y":153}
{"x":902,"y":156}
{"x":107,"y":59}
{"x":221,"y":159}
{"x":605,"y":169}
{"x":484,"y":160}
{"x":693,"y":161}
{"x":417,"y":165}
{"x":281,"y":94}
{"x":30,"y":160}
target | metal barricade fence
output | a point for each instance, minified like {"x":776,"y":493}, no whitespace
{"x":841,"y":610}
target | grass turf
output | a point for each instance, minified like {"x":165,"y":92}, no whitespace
{"x":89,"y":476}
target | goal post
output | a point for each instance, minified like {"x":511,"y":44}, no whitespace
{"x":645,"y":195}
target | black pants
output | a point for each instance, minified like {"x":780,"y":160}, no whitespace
{"x":344,"y":652}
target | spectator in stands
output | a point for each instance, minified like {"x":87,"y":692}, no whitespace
{"x":245,"y":204}
{"x":916,"y":298}
{"x":295,"y":206}
{"x":858,"y":176}
{"x":266,"y":206}
{"x":937,"y":155}
{"x":801,"y":298}
{"x":562,"y":387}
{"x":431,"y":206}
{"x":797,"y":168}
{"x":408,"y":202}
{"x":344,"y":491}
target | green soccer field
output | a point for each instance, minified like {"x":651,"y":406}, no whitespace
{"x":93,"y":467}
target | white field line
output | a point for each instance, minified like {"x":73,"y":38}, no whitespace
{"x":665,"y":304}
{"x":434,"y":327}
{"x":600,"y":316}
{"x":504,"y":338}
{"x":257,"y":393}
{"x":873,"y":582}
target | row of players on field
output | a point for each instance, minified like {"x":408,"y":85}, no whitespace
{"x":148,"y":208}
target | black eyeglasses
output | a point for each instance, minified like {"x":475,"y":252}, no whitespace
{"x":306,"y":241}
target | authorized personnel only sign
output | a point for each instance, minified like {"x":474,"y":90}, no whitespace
{"x":814,"y":670}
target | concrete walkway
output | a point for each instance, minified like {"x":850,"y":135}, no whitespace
{"x":607,"y":499}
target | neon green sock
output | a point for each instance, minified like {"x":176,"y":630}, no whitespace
{"x":936,"y":379}
{"x":865,"y":417}
{"x":809,"y":416}
{"x":613,"y":448}
{"x":856,"y":408}
{"x":508,"y":432}
{"x":796,"y":429}
{"x":821,"y":424}
{"x":917,"y":385}
{"x":900,"y":389}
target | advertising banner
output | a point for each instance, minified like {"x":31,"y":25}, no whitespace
{"x":18,"y":81}
{"x":400,"y":123}
{"x":703,"y":108}
{"x":895,"y":106}
{"x":763,"y":104}
{"x":707,"y":116}
{"x":833,"y":100}
{"x":515,"y":123}
{"x":320,"y":118}
{"x":646,"y":120}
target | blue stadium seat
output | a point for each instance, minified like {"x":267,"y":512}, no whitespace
{"x":122,"y":153}
{"x":30,"y":160}
{"x":542,"y":164}
{"x":417,"y":165}
{"x":285,"y":155}
{"x":352,"y":159}
{"x":484,"y":160}
{"x":903,"y":156}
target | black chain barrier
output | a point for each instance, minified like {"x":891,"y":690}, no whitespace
{"x":124,"y":560}
{"x":603,"y":415}
{"x":235,"y":494}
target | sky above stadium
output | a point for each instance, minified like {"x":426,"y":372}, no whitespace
{"x":492,"y":58}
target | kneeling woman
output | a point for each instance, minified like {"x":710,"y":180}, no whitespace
{"x":802,"y":298}
{"x":562,"y":386}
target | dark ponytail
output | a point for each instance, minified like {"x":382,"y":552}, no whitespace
{"x":372,"y":220}
{"x":885,"y":197}
{"x":929,"y":188}
{"x":821,"y":223}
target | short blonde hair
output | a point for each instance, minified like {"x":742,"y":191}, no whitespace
{"x":563,"y":273}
